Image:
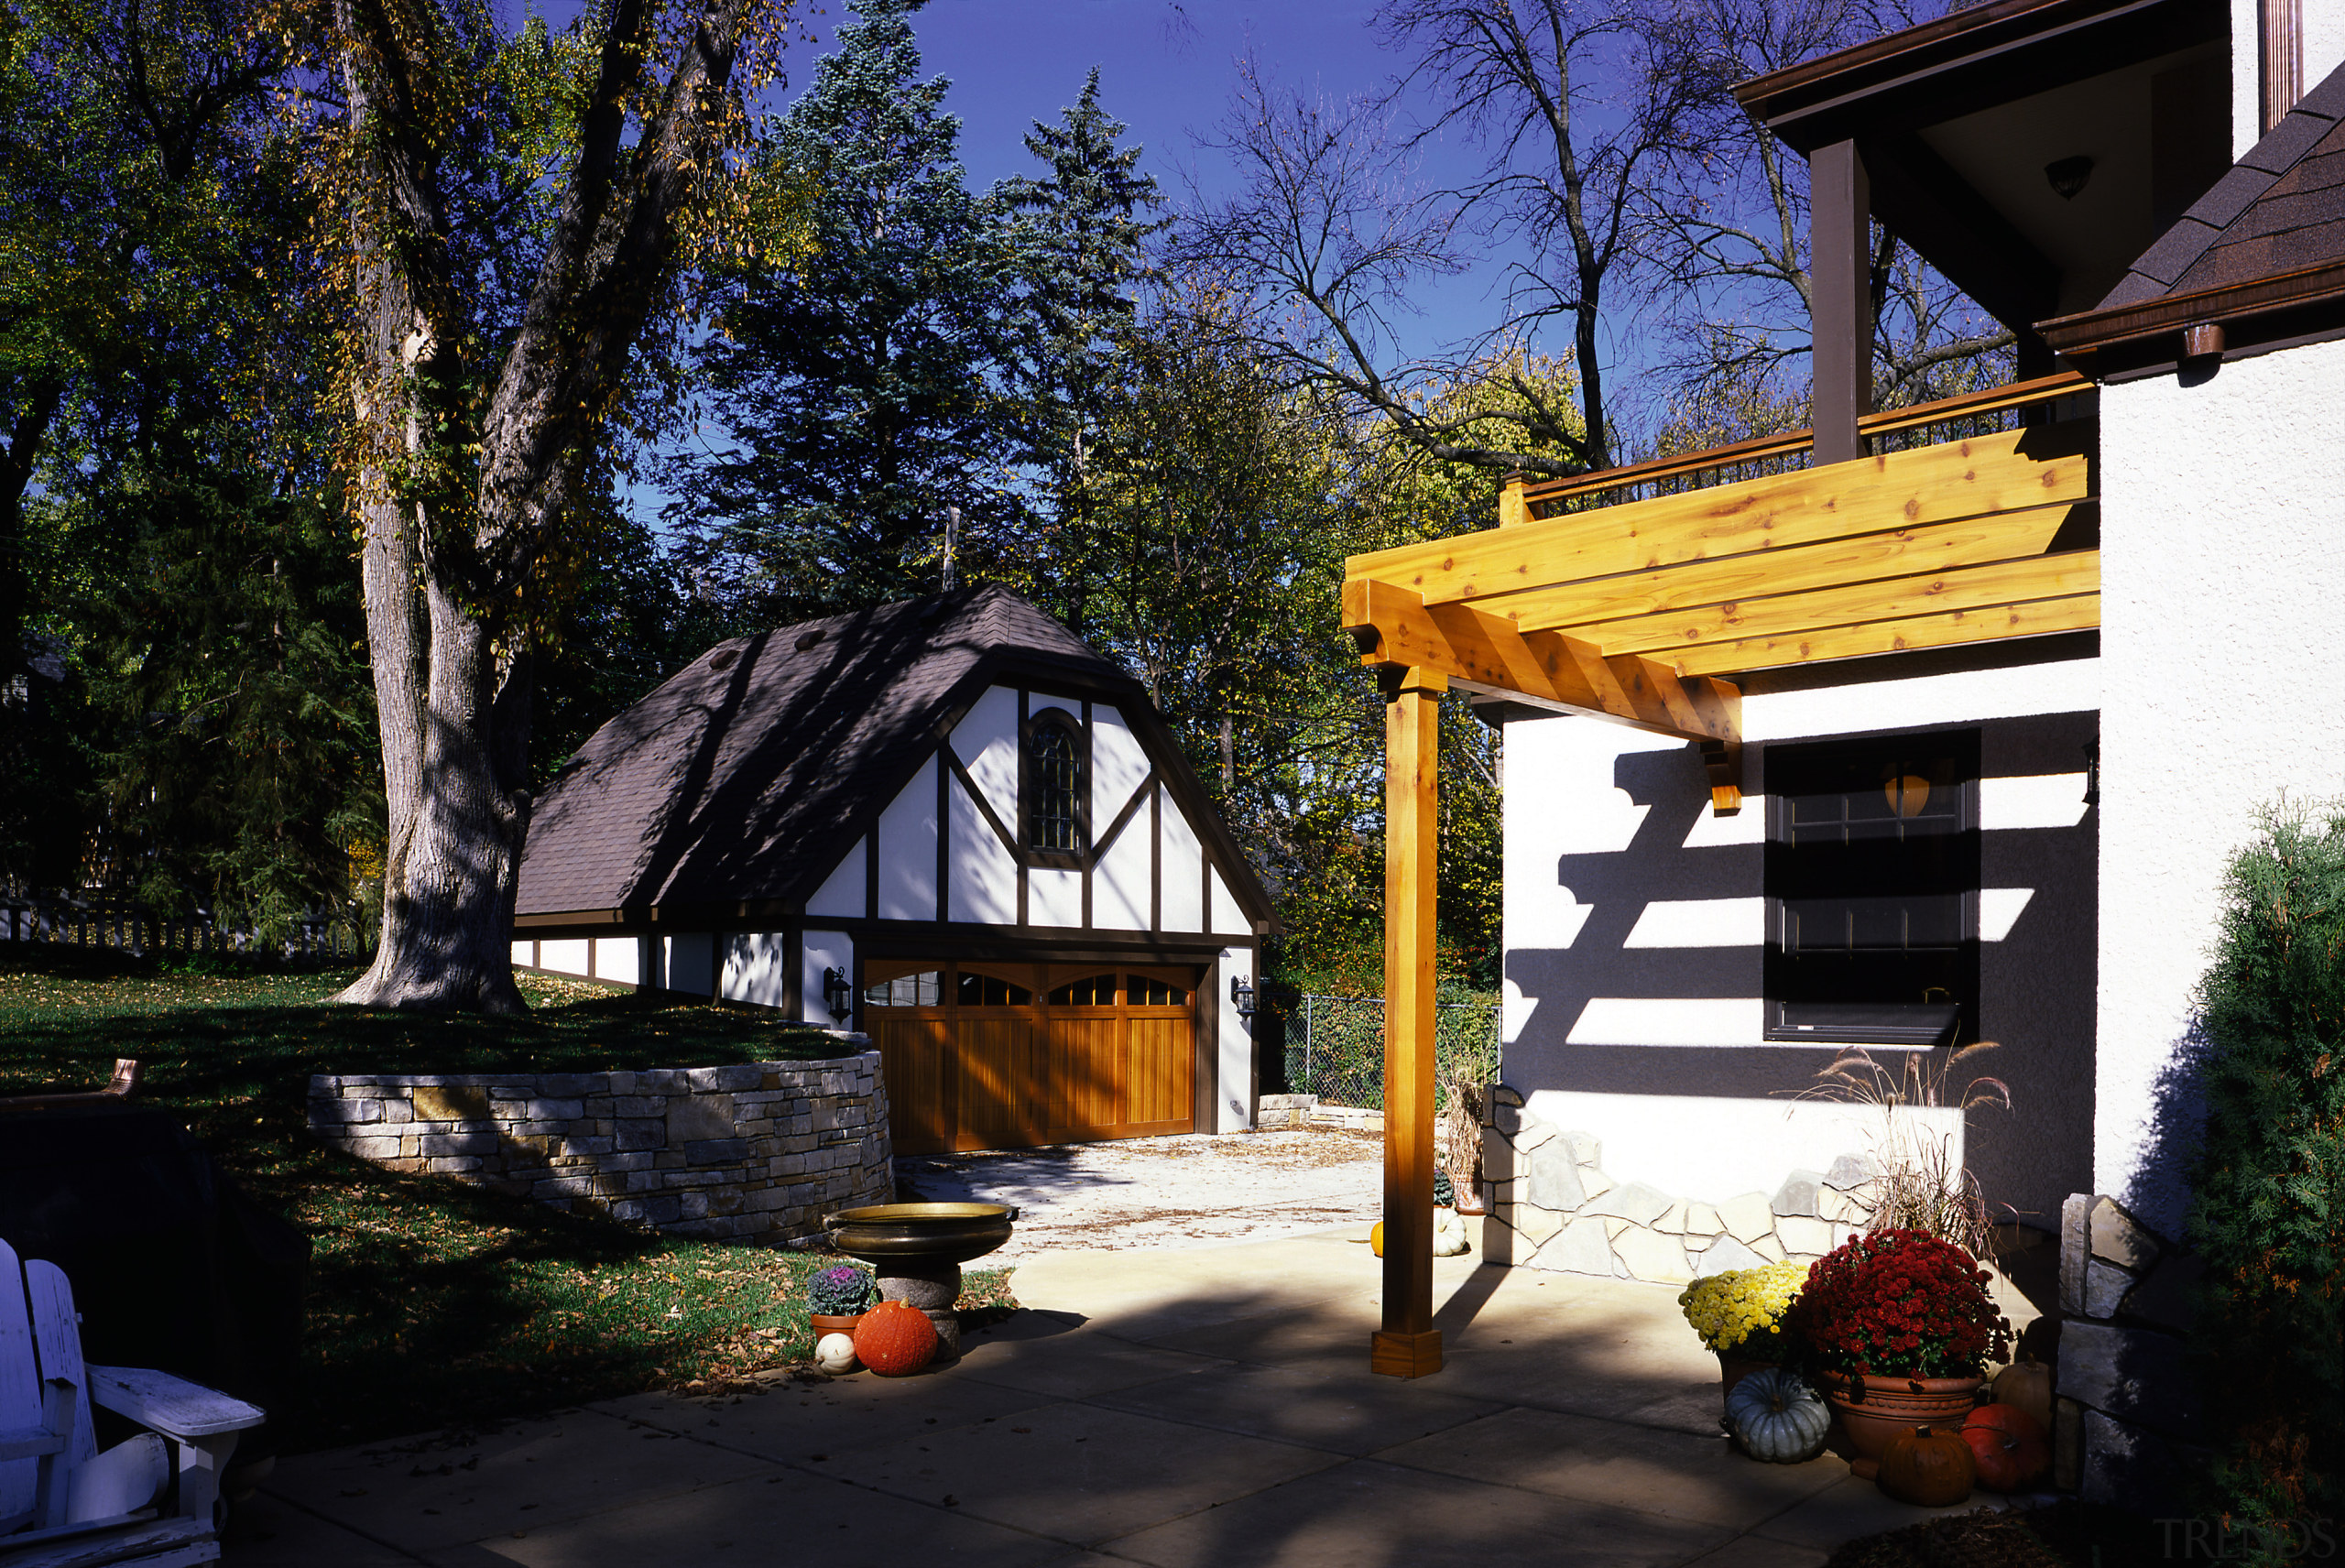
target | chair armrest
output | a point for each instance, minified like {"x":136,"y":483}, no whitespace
{"x":172,"y":1406}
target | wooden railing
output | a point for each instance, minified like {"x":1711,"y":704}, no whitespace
{"x":1896,"y":430}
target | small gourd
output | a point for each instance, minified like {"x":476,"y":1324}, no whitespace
{"x":2028,"y":1385}
{"x":895,"y":1339}
{"x":1777,"y":1417}
{"x":1927,"y":1466}
{"x":834,"y":1354}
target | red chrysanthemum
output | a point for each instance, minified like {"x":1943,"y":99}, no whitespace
{"x":1900,"y":1303}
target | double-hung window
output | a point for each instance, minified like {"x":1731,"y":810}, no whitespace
{"x":1872,"y":891}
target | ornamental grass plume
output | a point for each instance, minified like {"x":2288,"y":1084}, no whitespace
{"x":1741,"y":1309}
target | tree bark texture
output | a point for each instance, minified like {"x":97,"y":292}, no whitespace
{"x":449,"y":567}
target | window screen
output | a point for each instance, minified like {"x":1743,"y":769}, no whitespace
{"x":907,"y":991}
{"x":1873,"y":879}
{"x":1054,"y":781}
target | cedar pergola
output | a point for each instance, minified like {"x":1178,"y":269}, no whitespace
{"x":1638,"y":595}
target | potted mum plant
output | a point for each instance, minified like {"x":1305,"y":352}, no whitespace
{"x":836,"y":1299}
{"x":1739,"y":1314}
{"x":1897,"y":1327}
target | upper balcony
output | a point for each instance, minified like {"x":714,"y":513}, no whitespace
{"x":1637,"y":594}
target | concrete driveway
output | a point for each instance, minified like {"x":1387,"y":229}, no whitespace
{"x":1189,"y":1408}
{"x":1146,"y":1192}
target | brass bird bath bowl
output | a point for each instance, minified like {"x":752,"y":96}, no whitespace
{"x":917,"y":1250}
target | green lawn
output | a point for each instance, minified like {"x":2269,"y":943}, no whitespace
{"x":430,"y":1303}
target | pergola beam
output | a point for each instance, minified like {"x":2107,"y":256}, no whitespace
{"x":1483,"y":652}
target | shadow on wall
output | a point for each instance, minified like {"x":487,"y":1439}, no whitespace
{"x":2036,"y":977}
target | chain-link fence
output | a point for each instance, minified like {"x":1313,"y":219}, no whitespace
{"x":1335,"y":1047}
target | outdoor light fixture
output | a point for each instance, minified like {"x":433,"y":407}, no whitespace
{"x":1242,"y":993}
{"x":2092,"y":771}
{"x":837,"y":994}
{"x":2068,"y":175}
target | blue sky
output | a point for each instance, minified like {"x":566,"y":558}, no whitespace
{"x":1166,"y":71}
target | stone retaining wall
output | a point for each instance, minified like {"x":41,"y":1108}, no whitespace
{"x":760,"y":1151}
{"x":2127,"y":1410}
{"x":1552,"y":1206}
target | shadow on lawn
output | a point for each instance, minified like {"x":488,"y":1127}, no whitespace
{"x":427,"y":1302}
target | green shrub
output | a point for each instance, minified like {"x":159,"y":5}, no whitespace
{"x":2268,"y":1188}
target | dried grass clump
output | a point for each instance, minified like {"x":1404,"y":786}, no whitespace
{"x":1921,"y":1184}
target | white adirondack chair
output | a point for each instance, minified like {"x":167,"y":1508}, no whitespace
{"x":63,"y":1504}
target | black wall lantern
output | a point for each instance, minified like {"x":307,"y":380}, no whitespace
{"x":1242,"y":993}
{"x":837,"y":994}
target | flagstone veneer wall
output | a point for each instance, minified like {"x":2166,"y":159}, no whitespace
{"x":761,"y":1151}
{"x":1553,"y":1207}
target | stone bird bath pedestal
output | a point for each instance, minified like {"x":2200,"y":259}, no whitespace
{"x":917,"y":1250}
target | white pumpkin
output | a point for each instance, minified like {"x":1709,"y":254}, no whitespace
{"x":1777,"y":1417}
{"x":1449,"y":1234}
{"x":834,"y":1353}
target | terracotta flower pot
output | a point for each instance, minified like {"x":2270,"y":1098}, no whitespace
{"x":833,"y":1322}
{"x":1873,"y":1409}
{"x":1733,"y":1369}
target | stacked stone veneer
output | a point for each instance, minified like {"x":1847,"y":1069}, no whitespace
{"x":1553,"y":1207}
{"x":2127,"y":1411}
{"x":759,"y":1151}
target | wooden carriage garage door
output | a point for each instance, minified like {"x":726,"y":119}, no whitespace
{"x":1009,"y":1056}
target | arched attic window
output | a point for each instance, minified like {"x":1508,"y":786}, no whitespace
{"x":1056,"y":830}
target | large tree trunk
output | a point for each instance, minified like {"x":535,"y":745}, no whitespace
{"x":450,"y":565}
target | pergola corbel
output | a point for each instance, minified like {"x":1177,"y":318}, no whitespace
{"x":1641,"y":611}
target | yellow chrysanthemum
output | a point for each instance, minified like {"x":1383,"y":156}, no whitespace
{"x":1728,"y":1308}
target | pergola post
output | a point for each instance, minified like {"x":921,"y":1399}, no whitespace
{"x":1409,"y":1345}
{"x":1841,"y":275}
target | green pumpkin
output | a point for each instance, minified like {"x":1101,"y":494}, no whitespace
{"x":1777,"y":1417}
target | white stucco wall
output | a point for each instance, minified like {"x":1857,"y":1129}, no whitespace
{"x":1234,"y":1110}
{"x":986,"y":740}
{"x":756,"y":968}
{"x":1635,"y":923}
{"x":1183,"y":876}
{"x":618,"y":958}
{"x":907,"y":850}
{"x":823,"y":950}
{"x":687,"y":963}
{"x":1119,"y":883}
{"x":845,"y":891}
{"x":2222,"y":517}
{"x":2324,"y":48}
{"x":981,"y":874}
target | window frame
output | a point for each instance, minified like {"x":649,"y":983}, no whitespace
{"x":1794,"y":1013}
{"x":1079,"y":735}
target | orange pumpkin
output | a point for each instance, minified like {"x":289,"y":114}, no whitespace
{"x":2028,"y":1385}
{"x":2008,"y":1447}
{"x":895,"y":1339}
{"x":1927,"y":1466}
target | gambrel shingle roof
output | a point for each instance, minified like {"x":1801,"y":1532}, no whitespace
{"x":745,"y":777}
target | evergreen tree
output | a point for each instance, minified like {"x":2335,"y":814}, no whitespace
{"x":1081,"y":233}
{"x":859,"y":377}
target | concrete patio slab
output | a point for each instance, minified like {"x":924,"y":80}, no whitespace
{"x":1649,"y":1468}
{"x":778,"y":1520}
{"x":1366,"y":1514}
{"x":420,"y":1497}
{"x":1353,"y":1412}
{"x":1077,"y":1471}
{"x":1200,"y":1406}
{"x":793,"y":1423}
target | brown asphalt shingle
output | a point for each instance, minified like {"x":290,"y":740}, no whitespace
{"x":2281,"y":208}
{"x":747,"y":774}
